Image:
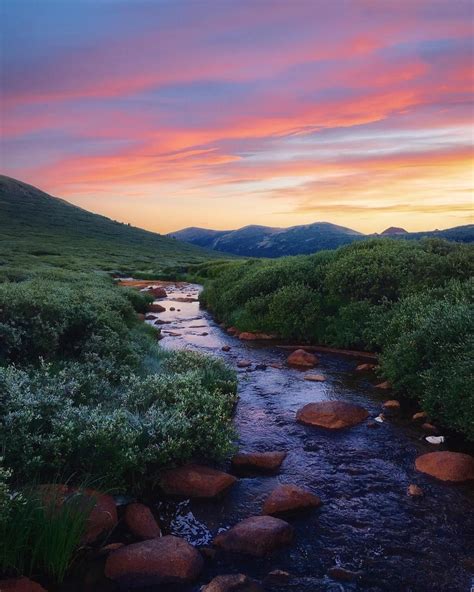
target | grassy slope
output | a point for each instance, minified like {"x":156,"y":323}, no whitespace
{"x":38,"y":231}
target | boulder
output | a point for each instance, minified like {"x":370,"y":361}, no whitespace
{"x":366,"y":367}
{"x":141,"y":522}
{"x":244,"y":363}
{"x":302,"y":359}
{"x":384,"y":386}
{"x":100,"y":506}
{"x":232,"y":583}
{"x":332,"y":415}
{"x":20,"y":585}
{"x":196,"y":481}
{"x":392,"y":405}
{"x":257,"y":536}
{"x":157,"y":291}
{"x":315,"y":377}
{"x":264,"y":461}
{"x":446,"y":466}
{"x":289,"y":498}
{"x":248,"y":336}
{"x":168,"y":559}
{"x":414,"y":490}
{"x":155,"y":307}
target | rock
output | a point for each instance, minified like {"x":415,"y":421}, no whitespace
{"x":392,"y":404}
{"x":226,"y":348}
{"x":257,"y":536}
{"x":232,"y":583}
{"x":261,"y":367}
{"x":421,"y":415}
{"x":289,"y":498}
{"x":276,"y":365}
{"x":264,"y":461}
{"x":157,"y":291}
{"x":380,"y":418}
{"x":140,"y":316}
{"x":435,"y":440}
{"x":385,"y":386}
{"x":366,"y":367}
{"x":332,"y":415}
{"x":233,"y":331}
{"x":172,"y":308}
{"x":302,"y":359}
{"x":20,"y":585}
{"x":109,"y":548}
{"x":277,"y":577}
{"x":150,"y":317}
{"x":446,"y":466}
{"x":244,"y":363}
{"x":343,"y":575}
{"x":415,"y":490}
{"x":168,"y":559}
{"x":372,"y":424}
{"x":248,"y":336}
{"x":428,"y":427}
{"x":155,"y":307}
{"x":315,"y":377}
{"x":207,"y":552}
{"x":196,"y":481}
{"x":141,"y":522}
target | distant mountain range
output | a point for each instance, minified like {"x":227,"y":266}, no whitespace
{"x":265,"y":241}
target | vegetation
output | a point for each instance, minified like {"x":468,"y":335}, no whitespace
{"x":410,"y":301}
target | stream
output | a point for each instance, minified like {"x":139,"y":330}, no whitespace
{"x":368,"y":523}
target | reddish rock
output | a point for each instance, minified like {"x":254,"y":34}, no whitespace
{"x":232,"y":583}
{"x":168,"y":559}
{"x":302,"y":359}
{"x":244,"y":363}
{"x":233,"y":331}
{"x":446,"y":466}
{"x":155,"y":307}
{"x":103,"y":512}
{"x":196,"y":481}
{"x":289,"y":498}
{"x":265,"y":461}
{"x":141,"y":522}
{"x":248,"y":336}
{"x":20,"y":585}
{"x":366,"y":367}
{"x":225,"y":348}
{"x":415,"y":490}
{"x":315,"y":377}
{"x":392,"y":404}
{"x":140,"y":316}
{"x":332,"y":415}
{"x":276,"y":365}
{"x":429,"y":427}
{"x":420,"y":416}
{"x":109,"y":548}
{"x":384,"y":386}
{"x":157,"y":291}
{"x":343,"y":575}
{"x":257,"y":536}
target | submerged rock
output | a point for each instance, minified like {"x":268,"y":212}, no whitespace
{"x":196,"y":481}
{"x":141,"y":522}
{"x":168,"y":559}
{"x":446,"y":466}
{"x":342,"y":574}
{"x":264,"y":461}
{"x":333,"y":415}
{"x":302,"y":359}
{"x":232,"y":583}
{"x":257,"y":536}
{"x":20,"y":585}
{"x":289,"y":498}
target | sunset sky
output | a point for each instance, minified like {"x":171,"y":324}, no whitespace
{"x":220,"y":113}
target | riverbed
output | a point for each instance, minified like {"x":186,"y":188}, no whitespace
{"x":367,"y":524}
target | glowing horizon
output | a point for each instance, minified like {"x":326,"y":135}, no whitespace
{"x":222,"y":114}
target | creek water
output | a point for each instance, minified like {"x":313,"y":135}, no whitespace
{"x":368,"y":523}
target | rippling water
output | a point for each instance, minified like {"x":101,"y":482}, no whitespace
{"x":367,"y":522}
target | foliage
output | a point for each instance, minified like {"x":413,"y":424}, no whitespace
{"x":409,"y":300}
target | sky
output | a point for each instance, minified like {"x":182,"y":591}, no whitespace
{"x":223,"y":113}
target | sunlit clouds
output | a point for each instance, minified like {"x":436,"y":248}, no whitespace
{"x":221,"y":114}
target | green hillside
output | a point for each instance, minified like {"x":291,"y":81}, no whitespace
{"x":38,"y":231}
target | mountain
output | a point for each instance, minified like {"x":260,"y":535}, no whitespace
{"x":393,"y":230}
{"x":38,"y":230}
{"x":265,"y":241}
